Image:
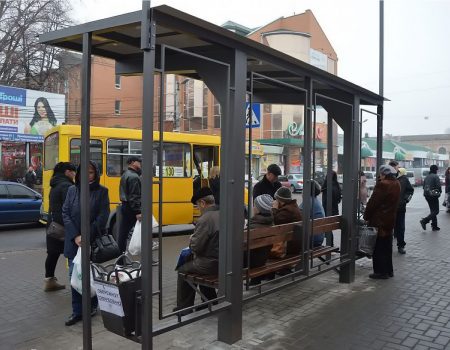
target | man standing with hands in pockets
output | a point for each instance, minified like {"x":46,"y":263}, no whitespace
{"x":130,"y":196}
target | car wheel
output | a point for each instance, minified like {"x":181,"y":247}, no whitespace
{"x":292,"y":189}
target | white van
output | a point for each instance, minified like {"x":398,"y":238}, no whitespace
{"x":411,"y":177}
{"x":371,"y":177}
{"x":420,"y":174}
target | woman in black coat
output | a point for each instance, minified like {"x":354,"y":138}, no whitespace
{"x":62,"y":179}
{"x":98,"y":212}
{"x":336,"y":194}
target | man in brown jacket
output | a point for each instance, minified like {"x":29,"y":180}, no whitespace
{"x":380,"y":213}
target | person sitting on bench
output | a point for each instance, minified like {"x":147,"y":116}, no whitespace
{"x":262,"y":217}
{"x":317,"y":212}
{"x":204,"y":244}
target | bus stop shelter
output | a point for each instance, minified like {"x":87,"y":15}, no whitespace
{"x":162,"y":40}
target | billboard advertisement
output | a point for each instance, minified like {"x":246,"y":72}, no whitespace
{"x":26,"y":115}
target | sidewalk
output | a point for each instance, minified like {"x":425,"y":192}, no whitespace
{"x":409,"y":311}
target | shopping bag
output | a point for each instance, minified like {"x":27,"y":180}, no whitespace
{"x":367,"y":239}
{"x":134,"y":248}
{"x":104,"y":248}
{"x":76,"y":280}
{"x":184,"y":257}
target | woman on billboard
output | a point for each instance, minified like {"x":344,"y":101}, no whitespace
{"x":43,"y":118}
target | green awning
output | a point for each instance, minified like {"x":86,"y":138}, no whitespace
{"x":366,"y":152}
{"x":399,"y":156}
{"x":289,"y":142}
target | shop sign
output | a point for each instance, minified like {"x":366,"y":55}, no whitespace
{"x":295,"y":129}
{"x":29,"y":113}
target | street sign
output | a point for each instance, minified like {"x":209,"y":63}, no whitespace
{"x":253,"y":120}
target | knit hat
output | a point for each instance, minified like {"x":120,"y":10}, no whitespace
{"x":201,"y":193}
{"x":387,"y":169}
{"x":264,"y":203}
{"x":401,"y":172}
{"x":283,"y":194}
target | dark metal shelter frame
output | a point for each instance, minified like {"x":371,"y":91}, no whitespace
{"x":163,"y":40}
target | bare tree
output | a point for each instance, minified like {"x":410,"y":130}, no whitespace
{"x":24,"y":62}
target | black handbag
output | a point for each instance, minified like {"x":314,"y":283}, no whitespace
{"x":56,"y":231}
{"x":104,"y":248}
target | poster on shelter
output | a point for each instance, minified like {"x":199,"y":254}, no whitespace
{"x":26,"y":115}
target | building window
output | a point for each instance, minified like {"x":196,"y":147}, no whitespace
{"x":196,"y":106}
{"x":442,"y":150}
{"x":118,"y":81}
{"x":117,"y":107}
{"x":217,"y":113}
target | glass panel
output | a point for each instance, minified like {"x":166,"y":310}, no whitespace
{"x":95,"y":152}
{"x":176,"y":160}
{"x":51,"y":151}
{"x":17,"y":191}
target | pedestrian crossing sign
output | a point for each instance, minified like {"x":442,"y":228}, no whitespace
{"x":252,"y":120}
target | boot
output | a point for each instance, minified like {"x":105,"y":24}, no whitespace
{"x":51,"y":284}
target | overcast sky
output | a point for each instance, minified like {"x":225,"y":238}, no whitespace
{"x":417,"y":47}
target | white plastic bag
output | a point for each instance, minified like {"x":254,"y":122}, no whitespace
{"x":76,"y":279}
{"x":367,"y":239}
{"x":134,"y":248}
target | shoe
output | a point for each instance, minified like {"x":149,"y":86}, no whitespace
{"x":423,"y":224}
{"x":73,"y":319}
{"x":435,"y":228}
{"x":401,"y":250}
{"x":51,"y":284}
{"x":379,"y":276}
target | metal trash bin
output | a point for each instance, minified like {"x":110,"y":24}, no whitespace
{"x":117,"y":288}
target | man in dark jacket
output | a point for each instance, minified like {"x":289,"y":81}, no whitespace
{"x":269,"y":183}
{"x":204,"y":244}
{"x":130,"y":196}
{"x":30,"y":177}
{"x":406,"y":192}
{"x":432,"y":191}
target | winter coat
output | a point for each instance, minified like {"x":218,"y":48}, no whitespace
{"x":130,"y":190}
{"x":431,"y":182}
{"x":265,"y":187}
{"x":30,"y":179}
{"x":259,"y":256}
{"x":288,"y":213}
{"x":214,"y":185}
{"x":447,"y":183}
{"x":381,"y":208}
{"x":59,"y":184}
{"x":406,"y":192}
{"x":71,"y":212}
{"x":204,"y":242}
{"x":336,"y":196}
{"x":317,"y":212}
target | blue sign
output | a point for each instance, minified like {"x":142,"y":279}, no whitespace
{"x":8,"y":128}
{"x":5,"y":136}
{"x":253,"y":119}
{"x":13,"y":96}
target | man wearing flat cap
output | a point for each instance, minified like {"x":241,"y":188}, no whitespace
{"x":380,"y":212}
{"x":269,"y":184}
{"x":130,"y":196}
{"x":204,"y":244}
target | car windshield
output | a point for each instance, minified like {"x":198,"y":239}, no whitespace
{"x":409,"y":174}
{"x":298,"y":176}
{"x":369,"y":175}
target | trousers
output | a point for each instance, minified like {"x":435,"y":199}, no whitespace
{"x":399,"y":229}
{"x":382,"y":256}
{"x":433,"y":204}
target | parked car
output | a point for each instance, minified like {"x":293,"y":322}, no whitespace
{"x":442,"y":178}
{"x":420,"y":174}
{"x":295,"y":182}
{"x":18,"y":203}
{"x":371,"y":177}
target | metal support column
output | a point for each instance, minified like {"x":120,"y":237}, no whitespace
{"x":381,"y":90}
{"x":84,"y":163}
{"x":307,"y":149}
{"x":232,"y":204}
{"x":148,"y":37}
{"x":350,"y":199}
{"x":329,"y":184}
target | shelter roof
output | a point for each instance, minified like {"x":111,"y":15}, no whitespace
{"x":119,"y":38}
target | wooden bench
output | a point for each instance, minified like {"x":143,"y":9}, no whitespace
{"x":264,"y":236}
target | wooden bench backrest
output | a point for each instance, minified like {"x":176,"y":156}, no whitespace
{"x":263,"y":236}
